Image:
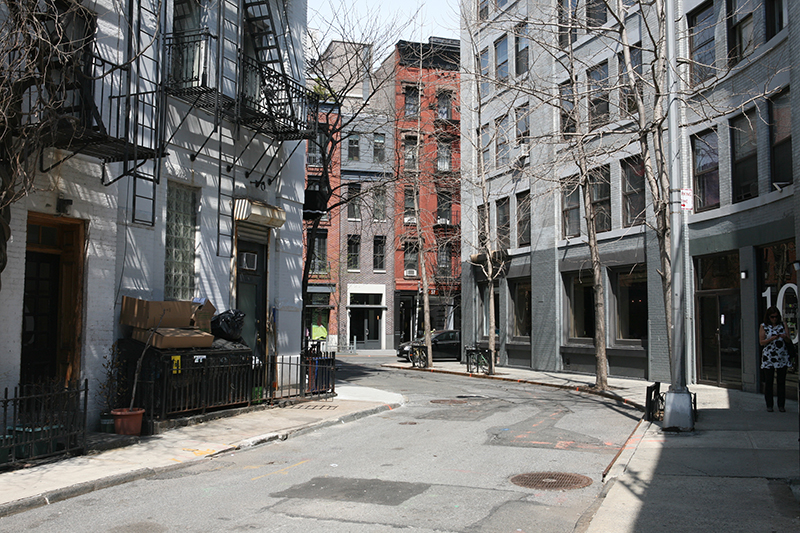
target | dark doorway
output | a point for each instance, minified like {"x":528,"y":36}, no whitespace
{"x":52,"y":304}
{"x":720,"y":351}
{"x":251,"y":284}
{"x":40,"y":318}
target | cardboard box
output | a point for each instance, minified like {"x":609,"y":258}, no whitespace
{"x":204,"y":310}
{"x":175,"y":337}
{"x":146,"y":314}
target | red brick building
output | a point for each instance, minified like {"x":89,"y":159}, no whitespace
{"x":424,"y":97}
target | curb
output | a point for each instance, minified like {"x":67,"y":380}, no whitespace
{"x":578,"y":388}
{"x":79,"y":489}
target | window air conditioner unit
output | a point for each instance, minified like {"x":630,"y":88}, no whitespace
{"x":248,"y":261}
{"x":410,"y":272}
{"x":443,"y":221}
{"x":409,"y":220}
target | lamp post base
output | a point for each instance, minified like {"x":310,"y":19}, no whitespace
{"x":678,"y":413}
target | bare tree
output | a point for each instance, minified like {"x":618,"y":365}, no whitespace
{"x":603,"y":115}
{"x":45,"y":48}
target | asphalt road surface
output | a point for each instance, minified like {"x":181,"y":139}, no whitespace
{"x":443,"y":462}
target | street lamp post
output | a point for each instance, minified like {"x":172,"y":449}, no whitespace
{"x":678,"y":407}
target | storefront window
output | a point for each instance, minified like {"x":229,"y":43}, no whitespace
{"x":778,"y":282}
{"x":718,"y":272}
{"x":581,"y":307}
{"x":522,"y":309}
{"x":631,"y":298}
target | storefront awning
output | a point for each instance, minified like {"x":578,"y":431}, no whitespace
{"x":256,"y":212}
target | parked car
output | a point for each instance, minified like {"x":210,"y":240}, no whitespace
{"x":446,"y":344}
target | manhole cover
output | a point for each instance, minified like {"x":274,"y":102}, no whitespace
{"x":551,"y":481}
{"x":449,"y":402}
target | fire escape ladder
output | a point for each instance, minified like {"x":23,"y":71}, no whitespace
{"x":225,"y":197}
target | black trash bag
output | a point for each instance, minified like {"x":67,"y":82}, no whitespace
{"x":228,"y":325}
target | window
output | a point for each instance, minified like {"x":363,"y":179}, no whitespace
{"x":501,"y":59}
{"x":485,"y":87}
{"x":596,"y":14}
{"x":410,"y":259}
{"x":379,"y":148}
{"x":180,"y":242}
{"x":483,"y":9}
{"x":597,"y":79}
{"x":523,"y":218}
{"x":631,"y":304}
{"x":780,"y":111}
{"x":581,"y":307}
{"x":502,"y":135}
{"x":319,"y":257}
{"x":740,"y":37}
{"x":633,"y":209}
{"x":411,"y":101}
{"x":521,"y":45}
{"x":353,"y":153}
{"x":706,"y":170}
{"x":777,"y":16}
{"x":523,"y":124}
{"x":600,"y":188}
{"x":444,"y":105}
{"x":503,"y":224}
{"x":501,"y":3}
{"x":379,"y":203}
{"x":379,"y":253}
{"x":521,"y":302}
{"x":485,"y":147}
{"x":314,"y":156}
{"x":701,"y":43}
{"x":409,"y":207}
{"x":483,"y":235}
{"x":353,"y":251}
{"x":411,"y":152}
{"x":444,"y":261}
{"x":627,"y":97}
{"x":567,"y":22}
{"x":444,"y":206}
{"x":354,"y":201}
{"x":568,"y":112}
{"x":444,"y":157}
{"x":571,"y":207}
{"x":745,"y":157}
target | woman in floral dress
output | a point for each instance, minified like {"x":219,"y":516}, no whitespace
{"x":773,"y":336}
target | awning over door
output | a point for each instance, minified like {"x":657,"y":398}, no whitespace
{"x":259,"y":213}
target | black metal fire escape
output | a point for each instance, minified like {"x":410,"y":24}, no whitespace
{"x":107,"y":108}
{"x":238,"y":74}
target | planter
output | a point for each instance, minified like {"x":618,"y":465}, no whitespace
{"x":128,"y":421}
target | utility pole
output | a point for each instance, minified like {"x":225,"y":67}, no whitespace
{"x":678,"y":408}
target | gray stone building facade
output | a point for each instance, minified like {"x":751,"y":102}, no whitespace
{"x":541,"y":74}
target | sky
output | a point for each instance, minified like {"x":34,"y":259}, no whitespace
{"x":437,"y":17}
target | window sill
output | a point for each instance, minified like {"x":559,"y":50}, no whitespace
{"x":740,"y":207}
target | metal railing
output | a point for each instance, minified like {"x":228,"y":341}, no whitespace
{"x":177,"y":382}
{"x":188,"y":56}
{"x":43,"y":420}
{"x":274,"y":102}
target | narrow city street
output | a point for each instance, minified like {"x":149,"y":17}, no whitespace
{"x":442,"y":462}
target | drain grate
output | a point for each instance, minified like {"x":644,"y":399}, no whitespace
{"x":449,"y":402}
{"x":551,"y":481}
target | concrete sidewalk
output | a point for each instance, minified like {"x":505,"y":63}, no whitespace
{"x":739,"y":470}
{"x":734,"y":472}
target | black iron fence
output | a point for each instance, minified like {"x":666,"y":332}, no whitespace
{"x":176,"y":382}
{"x":43,"y":420}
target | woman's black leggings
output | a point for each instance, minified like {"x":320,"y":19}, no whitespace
{"x":769,"y":374}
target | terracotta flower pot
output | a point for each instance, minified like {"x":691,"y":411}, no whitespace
{"x":128,"y":421}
